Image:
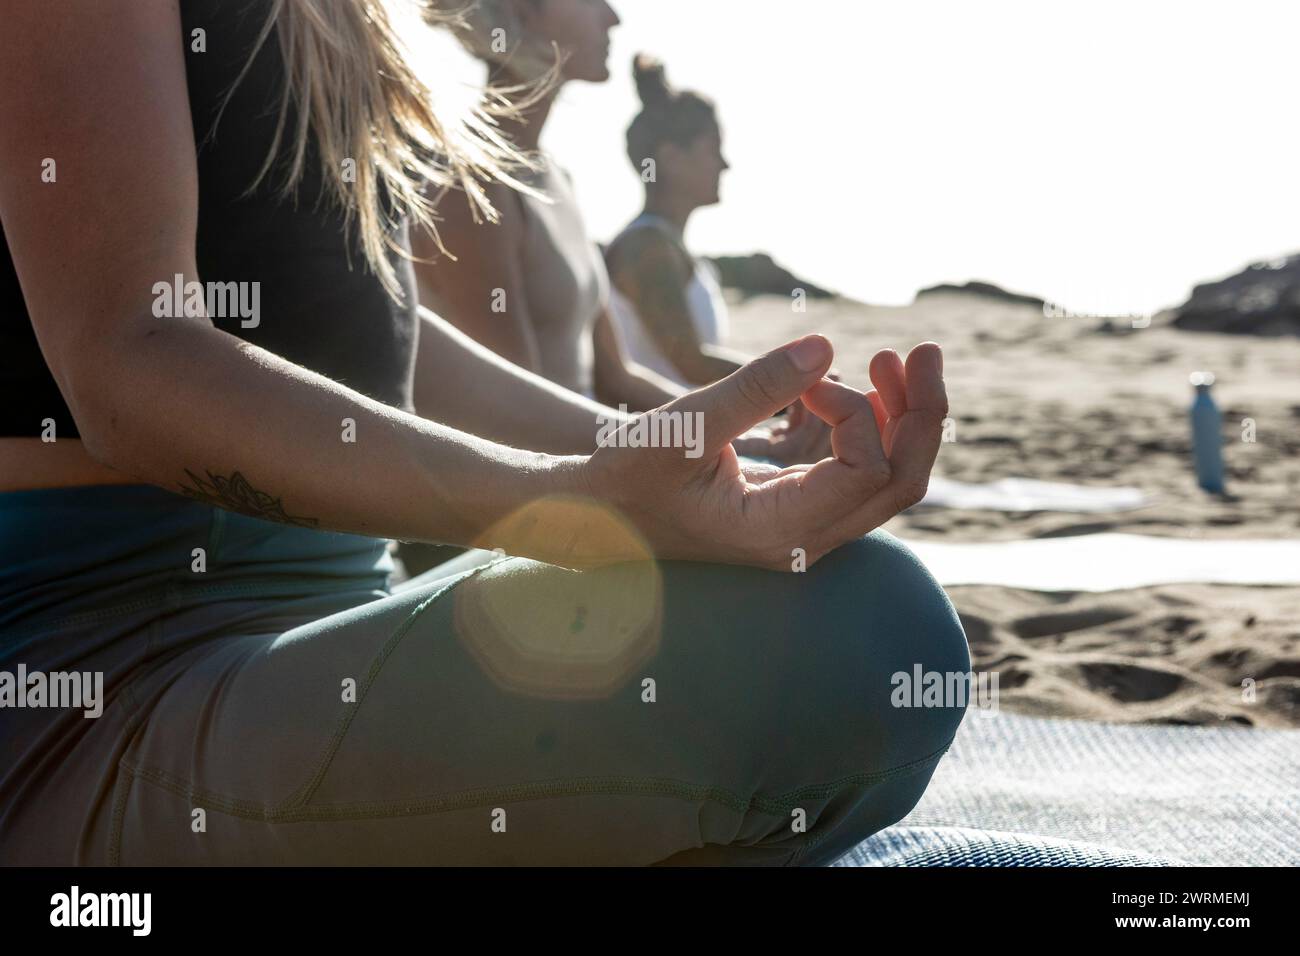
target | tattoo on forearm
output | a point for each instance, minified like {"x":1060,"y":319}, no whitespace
{"x":236,"y":494}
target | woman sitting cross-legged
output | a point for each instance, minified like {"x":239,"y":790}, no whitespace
{"x":667,"y":304}
{"x":673,"y":658}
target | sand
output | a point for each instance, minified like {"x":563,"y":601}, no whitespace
{"x":1065,"y":399}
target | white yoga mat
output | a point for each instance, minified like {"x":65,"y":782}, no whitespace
{"x":1027,"y":494}
{"x":1110,"y":562}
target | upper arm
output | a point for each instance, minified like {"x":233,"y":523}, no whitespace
{"x":93,"y":96}
{"x":649,"y":269}
{"x":481,"y":292}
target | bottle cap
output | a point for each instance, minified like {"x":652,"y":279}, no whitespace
{"x":1201,"y":378}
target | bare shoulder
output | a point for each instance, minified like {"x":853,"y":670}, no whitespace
{"x":648,"y":249}
{"x":470,"y":237}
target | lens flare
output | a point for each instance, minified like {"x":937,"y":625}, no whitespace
{"x":551,"y":632}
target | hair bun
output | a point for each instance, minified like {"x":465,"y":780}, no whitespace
{"x":651,"y":80}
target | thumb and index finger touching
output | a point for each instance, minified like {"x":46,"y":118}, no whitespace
{"x":913,"y":435}
{"x":873,"y":476}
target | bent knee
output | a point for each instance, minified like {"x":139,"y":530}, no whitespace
{"x":890,"y":593}
{"x":888,"y":666}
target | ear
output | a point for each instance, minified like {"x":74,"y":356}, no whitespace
{"x":669,"y":153}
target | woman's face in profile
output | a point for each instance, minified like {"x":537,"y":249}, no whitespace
{"x":696,"y":169}
{"x":581,"y":29}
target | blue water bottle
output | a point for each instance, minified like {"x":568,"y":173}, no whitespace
{"x":1207,"y":438}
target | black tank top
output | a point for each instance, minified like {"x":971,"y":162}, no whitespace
{"x":320,"y":304}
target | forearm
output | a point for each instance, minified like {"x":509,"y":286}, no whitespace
{"x":728,"y":360}
{"x":182,"y":405}
{"x":637,"y":387}
{"x":706,"y":365}
{"x":463,"y":384}
{"x":621,"y":381}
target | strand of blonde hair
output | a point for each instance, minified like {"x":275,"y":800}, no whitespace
{"x":351,"y":91}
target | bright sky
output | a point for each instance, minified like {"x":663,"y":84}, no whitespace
{"x":1105,"y":155}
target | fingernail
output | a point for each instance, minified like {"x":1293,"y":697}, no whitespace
{"x":809,"y":353}
{"x":937,"y":353}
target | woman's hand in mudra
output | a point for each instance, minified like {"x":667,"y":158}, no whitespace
{"x":696,"y":502}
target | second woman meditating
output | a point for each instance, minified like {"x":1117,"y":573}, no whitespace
{"x":533,"y":287}
{"x":665,"y":302}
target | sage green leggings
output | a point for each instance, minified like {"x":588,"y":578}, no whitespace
{"x":268,"y":699}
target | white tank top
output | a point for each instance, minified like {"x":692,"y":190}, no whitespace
{"x":708,"y":309}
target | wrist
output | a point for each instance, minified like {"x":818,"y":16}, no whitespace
{"x":564,"y":476}
{"x":534,"y":523}
{"x":570,"y":518}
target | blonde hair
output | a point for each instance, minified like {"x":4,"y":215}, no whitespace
{"x":492,"y":31}
{"x":358,"y":97}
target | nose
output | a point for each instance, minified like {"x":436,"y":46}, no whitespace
{"x":611,"y":17}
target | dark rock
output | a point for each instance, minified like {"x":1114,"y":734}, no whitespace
{"x":758,"y":274}
{"x":985,"y":289}
{"x":1263,"y":299}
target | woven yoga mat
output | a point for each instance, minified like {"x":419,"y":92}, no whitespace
{"x":1028,"y":791}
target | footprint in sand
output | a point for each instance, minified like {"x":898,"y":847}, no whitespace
{"x":1063,"y":622}
{"x":1284,"y":668}
{"x":1130,"y":683}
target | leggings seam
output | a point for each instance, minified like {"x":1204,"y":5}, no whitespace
{"x":122,"y":787}
{"x":296,"y":808}
{"x":121,"y":793}
{"x":216,"y":534}
{"x":154,"y":598}
{"x":303,"y":794}
{"x":131,"y":772}
{"x":466,"y":799}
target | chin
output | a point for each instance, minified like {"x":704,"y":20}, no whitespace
{"x":593,"y":69}
{"x":586,"y":72}
{"x":589,"y":76}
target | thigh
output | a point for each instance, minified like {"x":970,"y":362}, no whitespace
{"x":465,"y":559}
{"x":522,"y":713}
